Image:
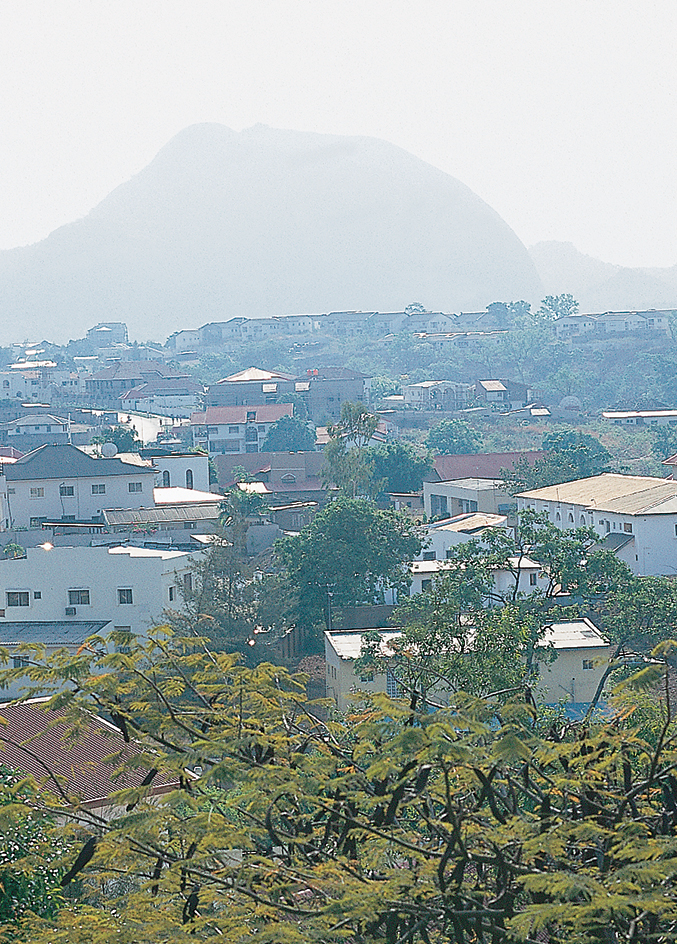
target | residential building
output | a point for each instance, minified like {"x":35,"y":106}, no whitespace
{"x":463,"y":496}
{"x":437,"y":395}
{"x":184,"y":469}
{"x":636,"y":516}
{"x":440,"y":537}
{"x":610,"y":324}
{"x":169,"y":396}
{"x":503,"y":395}
{"x":107,"y":333}
{"x":574,"y":657}
{"x":128,"y":587}
{"x":250,"y":387}
{"x":424,"y":572}
{"x":235,"y":429}
{"x":641,"y":417}
{"x":32,"y":430}
{"x":107,"y":385}
{"x":61,"y":483}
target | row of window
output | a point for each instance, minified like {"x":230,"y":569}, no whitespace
{"x":68,"y":491}
{"x":77,"y":597}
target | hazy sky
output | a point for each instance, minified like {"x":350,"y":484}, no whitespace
{"x":561,"y":115}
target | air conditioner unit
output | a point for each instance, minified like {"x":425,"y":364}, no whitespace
{"x":70,"y":611}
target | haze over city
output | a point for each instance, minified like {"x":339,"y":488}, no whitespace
{"x":559,"y":116}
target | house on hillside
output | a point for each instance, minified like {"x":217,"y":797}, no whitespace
{"x":446,"y":395}
{"x":635,"y":516}
{"x":503,"y":395}
{"x":235,"y":429}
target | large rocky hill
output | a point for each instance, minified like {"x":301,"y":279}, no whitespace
{"x":264,"y":222}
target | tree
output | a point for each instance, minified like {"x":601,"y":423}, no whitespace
{"x":665,"y":442}
{"x":557,"y":306}
{"x":124,"y":437}
{"x":415,"y":308}
{"x":481,"y":822}
{"x":351,"y":550}
{"x":399,"y":467}
{"x":453,"y":438}
{"x":570,"y":455}
{"x":346,"y":460}
{"x":289,"y":434}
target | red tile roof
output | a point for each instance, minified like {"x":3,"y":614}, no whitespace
{"x":486,"y":465}
{"x":33,"y":743}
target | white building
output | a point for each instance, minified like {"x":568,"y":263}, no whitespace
{"x":641,"y":417}
{"x":441,"y":536}
{"x":228,"y":429}
{"x":636,"y":516}
{"x":581,"y":656}
{"x":437,"y":395}
{"x":180,"y":469}
{"x":464,"y":496}
{"x":128,"y":587}
{"x":424,"y":572}
{"x":63,"y":483}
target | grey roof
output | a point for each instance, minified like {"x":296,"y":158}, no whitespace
{"x":49,"y":632}
{"x":118,"y":517}
{"x":66,"y":461}
{"x":614,"y":541}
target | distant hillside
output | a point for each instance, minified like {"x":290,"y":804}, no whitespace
{"x":264,"y":222}
{"x":601,"y":286}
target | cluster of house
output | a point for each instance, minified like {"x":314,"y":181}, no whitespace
{"x":441,"y":329}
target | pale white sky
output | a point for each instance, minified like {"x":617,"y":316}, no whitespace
{"x":561,"y":115}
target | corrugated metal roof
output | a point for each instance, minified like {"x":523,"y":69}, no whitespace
{"x":620,"y":494}
{"x":65,"y":462}
{"x":119,"y":517}
{"x":49,"y":632}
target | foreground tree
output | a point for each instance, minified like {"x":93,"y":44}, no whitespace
{"x":473,"y":823}
{"x":398,"y":467}
{"x":289,"y":434}
{"x":347,"y":463}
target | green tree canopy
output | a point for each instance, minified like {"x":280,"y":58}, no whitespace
{"x":398,"y":466}
{"x":289,"y":434}
{"x":347,"y":463}
{"x":570,"y":455}
{"x":557,"y":306}
{"x":352,"y":550}
{"x":452,"y":438}
{"x":478,"y":822}
{"x":124,"y":437}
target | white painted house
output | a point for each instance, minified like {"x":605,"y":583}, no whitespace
{"x":62,"y":483}
{"x":634,"y":515}
{"x":463,"y":496}
{"x":581,"y":656}
{"x":128,"y":587}
{"x":440,"y":537}
{"x":424,"y":572}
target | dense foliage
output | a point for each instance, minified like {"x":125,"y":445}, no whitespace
{"x":478,"y":822}
{"x":289,"y":434}
{"x":453,"y":437}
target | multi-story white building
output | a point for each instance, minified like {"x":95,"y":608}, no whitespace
{"x":63,"y":483}
{"x":227,"y":429}
{"x":464,"y":496}
{"x":128,"y":587}
{"x":636,"y":516}
{"x":437,"y":395}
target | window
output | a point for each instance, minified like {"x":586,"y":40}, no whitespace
{"x":627,"y":527}
{"x":17,"y":598}
{"x":234,"y":430}
{"x":122,"y":644}
{"x":189,"y":478}
{"x":532,"y":579}
{"x":36,"y":522}
{"x":37,"y":594}
{"x":125,"y":595}
{"x":20,"y":662}
{"x":367,"y":677}
{"x":66,"y":491}
{"x":188,"y":583}
{"x":37,"y":492}
{"x":165,"y":479}
{"x":135,"y":486}
{"x":588,"y":664}
{"x":426,"y":584}
{"x":98,"y":489}
{"x":172,"y":593}
{"x":78,"y":597}
{"x":428,"y":555}
{"x":392,"y":688}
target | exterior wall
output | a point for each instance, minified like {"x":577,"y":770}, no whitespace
{"x":342,"y":680}
{"x":28,"y":501}
{"x":442,"y":395}
{"x":567,"y":680}
{"x":177,"y":467}
{"x":504,"y":581}
{"x":231,"y":438}
{"x":653,"y":549}
{"x":447,"y":499}
{"x":47,"y":576}
{"x":248,"y":392}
